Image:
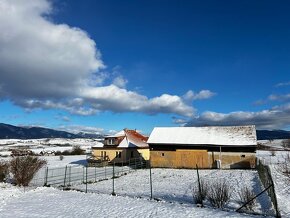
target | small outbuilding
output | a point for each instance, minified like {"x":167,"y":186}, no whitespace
{"x":205,"y":147}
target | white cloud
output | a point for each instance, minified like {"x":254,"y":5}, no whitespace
{"x":47,"y":65}
{"x":283,"y":84}
{"x":285,"y":97}
{"x":274,"y":118}
{"x":120,"y":81}
{"x":79,"y":128}
{"x":203,"y":94}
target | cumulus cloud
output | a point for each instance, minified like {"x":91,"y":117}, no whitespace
{"x":203,"y":94}
{"x":55,"y":66}
{"x":274,"y":118}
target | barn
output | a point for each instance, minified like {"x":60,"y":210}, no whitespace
{"x":205,"y":147}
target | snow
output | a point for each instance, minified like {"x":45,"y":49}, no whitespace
{"x":221,"y":135}
{"x":44,"y":145}
{"x":173,"y":188}
{"x":50,"y":202}
{"x":282,"y":183}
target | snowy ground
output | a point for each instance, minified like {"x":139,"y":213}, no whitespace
{"x":282,"y":183}
{"x":50,"y":202}
{"x":38,"y":145}
{"x":173,"y":189}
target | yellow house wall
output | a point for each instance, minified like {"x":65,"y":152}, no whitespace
{"x":145,"y":153}
{"x":125,"y":153}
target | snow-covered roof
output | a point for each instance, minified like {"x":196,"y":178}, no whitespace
{"x":213,"y":135}
{"x":132,"y":139}
{"x":98,"y":145}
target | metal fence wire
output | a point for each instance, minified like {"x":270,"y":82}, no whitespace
{"x":266,"y":179}
{"x":73,"y":174}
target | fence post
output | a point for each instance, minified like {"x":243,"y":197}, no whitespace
{"x":69,"y":177}
{"x":83,"y":174}
{"x":105,"y":172}
{"x":86,"y":179}
{"x":122,"y":168}
{"x":95,"y":173}
{"x":46,"y":176}
{"x":150,"y":180}
{"x":113,"y":193}
{"x":199,"y":186}
{"x":64,"y":176}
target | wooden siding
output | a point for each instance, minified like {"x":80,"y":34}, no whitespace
{"x":179,"y":159}
{"x":202,"y":158}
{"x":230,"y":160}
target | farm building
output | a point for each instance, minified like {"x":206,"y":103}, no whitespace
{"x":124,"y":145}
{"x":207,"y":147}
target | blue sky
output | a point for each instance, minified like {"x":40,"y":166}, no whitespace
{"x":106,"y":65}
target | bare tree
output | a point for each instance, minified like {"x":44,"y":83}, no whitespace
{"x":286,"y":143}
{"x":284,"y":167}
{"x":24,"y":168}
{"x":219,"y":193}
{"x":245,"y":195}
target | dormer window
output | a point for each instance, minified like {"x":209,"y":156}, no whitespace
{"x":111,"y":141}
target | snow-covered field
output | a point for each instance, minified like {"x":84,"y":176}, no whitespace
{"x":51,"y":202}
{"x":45,"y":145}
{"x":172,"y":193}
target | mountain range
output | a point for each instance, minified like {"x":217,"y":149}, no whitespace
{"x":16,"y":132}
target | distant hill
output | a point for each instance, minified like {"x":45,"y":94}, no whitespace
{"x":272,"y":134}
{"x":16,"y":132}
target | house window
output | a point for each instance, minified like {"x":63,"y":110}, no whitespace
{"x":111,"y":141}
{"x":132,"y":154}
{"x":162,"y":154}
{"x":243,"y":155}
{"x":118,"y":154}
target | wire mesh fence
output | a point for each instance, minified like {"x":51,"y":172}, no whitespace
{"x":172,"y":185}
{"x":71,"y":175}
{"x":266,"y":179}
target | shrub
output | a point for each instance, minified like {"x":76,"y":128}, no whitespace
{"x":66,"y":152}
{"x":3,"y":170}
{"x":286,"y":143}
{"x":24,"y":168}
{"x":284,"y":167}
{"x":77,"y":150}
{"x":200,"y":195}
{"x":58,"y":153}
{"x":273,"y":153}
{"x":245,"y":195}
{"x":219,"y":194}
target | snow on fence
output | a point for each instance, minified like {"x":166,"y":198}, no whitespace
{"x":73,"y":175}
